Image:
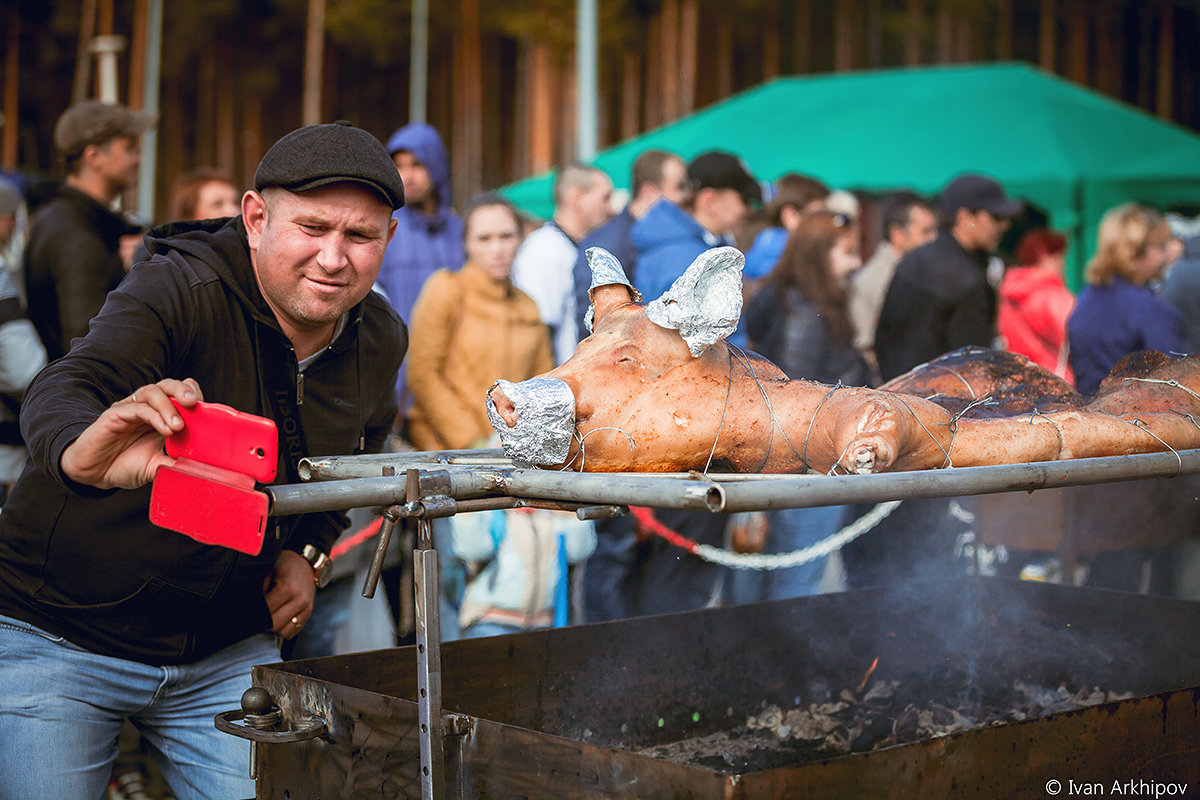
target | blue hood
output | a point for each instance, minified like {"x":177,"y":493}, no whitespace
{"x":423,"y":140}
{"x":663,"y":224}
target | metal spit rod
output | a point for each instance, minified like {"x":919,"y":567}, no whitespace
{"x":727,"y":493}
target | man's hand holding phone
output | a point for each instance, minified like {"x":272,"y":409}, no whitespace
{"x":208,"y":491}
{"x":123,"y":448}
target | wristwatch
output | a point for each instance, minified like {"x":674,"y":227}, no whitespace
{"x":321,"y":564}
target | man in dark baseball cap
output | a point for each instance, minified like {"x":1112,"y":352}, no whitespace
{"x":720,"y":196}
{"x":718,"y":170}
{"x":940,"y":298}
{"x":978,"y":192}
{"x":271,"y":313}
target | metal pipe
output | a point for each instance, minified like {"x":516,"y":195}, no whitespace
{"x":729,"y":493}
{"x":147,"y":171}
{"x":370,"y":465}
{"x":824,"y":490}
{"x":418,"y":72}
{"x":429,"y":671}
{"x":302,"y":498}
{"x":586,"y":79}
{"x":386,"y":527}
{"x":106,"y":49}
{"x":637,"y":489}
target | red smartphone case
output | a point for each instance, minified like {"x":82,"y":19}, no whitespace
{"x":209,"y":493}
{"x":224,"y":437}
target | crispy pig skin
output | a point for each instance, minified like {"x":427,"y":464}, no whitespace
{"x":980,"y":383}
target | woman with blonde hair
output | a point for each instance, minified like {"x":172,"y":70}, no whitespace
{"x":1118,"y":312}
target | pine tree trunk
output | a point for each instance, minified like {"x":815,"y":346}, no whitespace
{"x":914,"y":25}
{"x":314,"y":56}
{"x":1047,"y":35}
{"x":467,"y":147}
{"x":1165,"y":101}
{"x":12,"y":61}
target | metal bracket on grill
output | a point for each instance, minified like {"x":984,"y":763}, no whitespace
{"x":262,"y":721}
{"x":310,"y":728}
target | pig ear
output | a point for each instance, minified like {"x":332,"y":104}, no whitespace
{"x":703,"y":303}
{"x":610,"y":288}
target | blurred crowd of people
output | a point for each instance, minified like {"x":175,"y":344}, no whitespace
{"x":838,"y":288}
{"x":496,"y":294}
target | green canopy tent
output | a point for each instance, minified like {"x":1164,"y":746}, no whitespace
{"x":1070,"y":151}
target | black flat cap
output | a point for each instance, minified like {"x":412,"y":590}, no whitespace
{"x":318,"y":155}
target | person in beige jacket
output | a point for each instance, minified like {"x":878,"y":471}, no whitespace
{"x":470,"y":328}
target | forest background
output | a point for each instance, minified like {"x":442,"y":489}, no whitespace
{"x":501,"y":75}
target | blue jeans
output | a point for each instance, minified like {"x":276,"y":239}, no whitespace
{"x":62,"y":708}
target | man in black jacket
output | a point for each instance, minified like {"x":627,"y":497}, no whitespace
{"x":72,"y":260}
{"x":105,"y":617}
{"x":939,"y":299}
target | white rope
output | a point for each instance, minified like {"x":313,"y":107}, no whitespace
{"x":836,"y":541}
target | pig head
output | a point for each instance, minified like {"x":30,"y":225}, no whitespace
{"x":655,"y":388}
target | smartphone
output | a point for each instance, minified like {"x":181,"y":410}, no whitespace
{"x":224,"y":437}
{"x":209,"y":494}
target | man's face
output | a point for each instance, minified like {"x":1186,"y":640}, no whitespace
{"x":979,"y":230}
{"x":728,"y":211}
{"x":317,"y":253}
{"x":593,"y":203}
{"x":117,"y":161}
{"x":674,"y":180}
{"x":921,"y":228}
{"x":418,"y":186}
{"x":988,"y":230}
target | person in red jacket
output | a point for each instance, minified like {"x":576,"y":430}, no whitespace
{"x":1035,"y":302}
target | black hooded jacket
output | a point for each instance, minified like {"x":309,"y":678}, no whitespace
{"x":87,"y":564}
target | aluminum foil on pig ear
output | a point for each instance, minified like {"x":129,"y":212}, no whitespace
{"x":606,"y":270}
{"x":705,"y":302}
{"x":545,"y":421}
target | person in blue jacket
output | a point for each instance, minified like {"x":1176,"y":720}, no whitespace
{"x":1118,"y":312}
{"x":429,"y":235}
{"x":718,"y":201}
